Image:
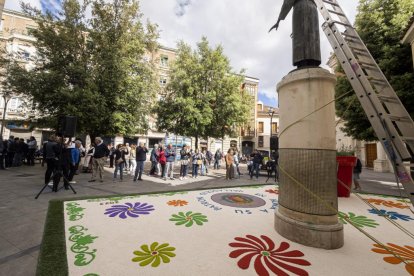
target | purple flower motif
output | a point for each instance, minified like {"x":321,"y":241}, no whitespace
{"x":129,"y":209}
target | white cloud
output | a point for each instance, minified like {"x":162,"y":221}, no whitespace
{"x":241,"y":27}
{"x":15,"y":4}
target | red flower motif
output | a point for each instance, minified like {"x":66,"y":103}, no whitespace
{"x":266,"y":257}
{"x":273,"y":191}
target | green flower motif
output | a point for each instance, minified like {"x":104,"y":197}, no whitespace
{"x":359,"y":221}
{"x":154,"y":254}
{"x":189,"y":218}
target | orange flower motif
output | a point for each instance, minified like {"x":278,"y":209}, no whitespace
{"x":387,"y":203}
{"x":406,"y":254}
{"x":272,"y":191}
{"x":177,"y":203}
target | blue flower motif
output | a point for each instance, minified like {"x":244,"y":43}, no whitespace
{"x":129,"y":209}
{"x":390,"y":214}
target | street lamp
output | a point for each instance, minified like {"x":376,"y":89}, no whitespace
{"x":3,"y":122}
{"x":271,"y":112}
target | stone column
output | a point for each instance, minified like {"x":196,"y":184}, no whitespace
{"x":381,"y":164}
{"x":308,"y":153}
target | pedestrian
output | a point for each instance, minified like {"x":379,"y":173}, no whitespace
{"x":184,"y":160}
{"x":75,"y":155}
{"x":229,"y":164}
{"x":141,"y":157}
{"x":153,"y":159}
{"x":11,"y":151}
{"x":162,"y":160}
{"x":132,"y":159}
{"x":236,"y":162}
{"x":32,"y":146}
{"x":120,"y":160}
{"x":87,"y":162}
{"x":3,"y":150}
{"x":356,"y":173}
{"x":204,"y":164}
{"x":209,"y":157}
{"x":170,"y":155}
{"x":127,"y":157}
{"x":196,"y":161}
{"x":217,"y":159}
{"x":257,"y":161}
{"x":100,"y":155}
{"x":51,"y":154}
{"x":112,"y":150}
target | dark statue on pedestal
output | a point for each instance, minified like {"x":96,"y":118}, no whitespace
{"x":305,"y":37}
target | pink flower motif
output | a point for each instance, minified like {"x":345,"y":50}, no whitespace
{"x":266,"y":257}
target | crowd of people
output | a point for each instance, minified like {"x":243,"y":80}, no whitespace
{"x":64,"y":158}
{"x":15,"y":151}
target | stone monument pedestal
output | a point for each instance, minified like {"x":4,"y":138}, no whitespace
{"x":307,"y":152}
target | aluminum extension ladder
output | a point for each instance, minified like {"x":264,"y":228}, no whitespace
{"x":387,"y":115}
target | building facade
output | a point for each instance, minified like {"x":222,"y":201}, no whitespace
{"x":15,"y":38}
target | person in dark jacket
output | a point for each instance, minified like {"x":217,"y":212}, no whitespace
{"x":185,"y":155}
{"x":51,"y":151}
{"x":75,"y":158}
{"x":141,"y":156}
{"x":3,"y":150}
{"x":120,"y":160}
{"x":32,"y":147}
{"x":257,"y":161}
{"x":99,"y":158}
{"x":357,"y":172}
{"x":11,"y":150}
{"x":154,"y":160}
{"x":112,"y":150}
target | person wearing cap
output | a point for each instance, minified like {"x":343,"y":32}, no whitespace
{"x":99,"y":158}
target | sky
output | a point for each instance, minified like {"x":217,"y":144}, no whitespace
{"x":240,"y":26}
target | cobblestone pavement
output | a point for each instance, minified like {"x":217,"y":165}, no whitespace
{"x":22,"y":216}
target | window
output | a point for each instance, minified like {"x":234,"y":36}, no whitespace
{"x":164,"y":61}
{"x":260,"y":107}
{"x":274,"y":128}
{"x":260,"y":142}
{"x":260,"y":127}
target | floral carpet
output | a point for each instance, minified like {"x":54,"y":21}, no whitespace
{"x":226,"y":232}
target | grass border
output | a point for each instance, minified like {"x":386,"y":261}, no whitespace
{"x":52,"y":256}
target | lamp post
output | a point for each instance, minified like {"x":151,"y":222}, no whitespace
{"x":6,"y":101}
{"x":271,"y":112}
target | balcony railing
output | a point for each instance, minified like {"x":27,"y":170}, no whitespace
{"x":248,"y":132}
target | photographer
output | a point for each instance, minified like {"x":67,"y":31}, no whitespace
{"x":120,"y":160}
{"x":141,"y":156}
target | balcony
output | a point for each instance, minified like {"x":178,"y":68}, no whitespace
{"x":248,"y":133}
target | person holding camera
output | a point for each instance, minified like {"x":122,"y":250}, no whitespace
{"x":185,"y":156}
{"x":170,"y":155}
{"x":141,"y":156}
{"x":120,"y":161}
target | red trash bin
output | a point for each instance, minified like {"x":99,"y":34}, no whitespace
{"x":346,"y":166}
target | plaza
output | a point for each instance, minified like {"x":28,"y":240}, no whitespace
{"x":23,"y":217}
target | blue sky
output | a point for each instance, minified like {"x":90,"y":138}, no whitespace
{"x":271,"y":101}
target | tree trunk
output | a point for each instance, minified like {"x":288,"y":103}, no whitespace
{"x":196,"y":142}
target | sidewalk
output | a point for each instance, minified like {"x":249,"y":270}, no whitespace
{"x":22,"y":217}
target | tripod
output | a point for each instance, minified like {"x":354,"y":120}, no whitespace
{"x":58,"y":172}
{"x":272,"y":168}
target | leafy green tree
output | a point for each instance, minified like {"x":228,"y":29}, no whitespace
{"x":92,"y":68}
{"x":203,"y":97}
{"x":381,"y":25}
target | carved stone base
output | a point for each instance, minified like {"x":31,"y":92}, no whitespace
{"x":326,"y":236}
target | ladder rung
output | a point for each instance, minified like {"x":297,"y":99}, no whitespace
{"x":376,"y":80}
{"x":387,"y":98}
{"x":340,"y":23}
{"x":398,"y":118}
{"x":363,"y":53}
{"x":348,"y":35}
{"x":335,"y":12}
{"x":330,"y":3}
{"x":405,"y":138}
{"x":357,"y":49}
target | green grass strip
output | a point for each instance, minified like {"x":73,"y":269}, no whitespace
{"x":52,"y":257}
